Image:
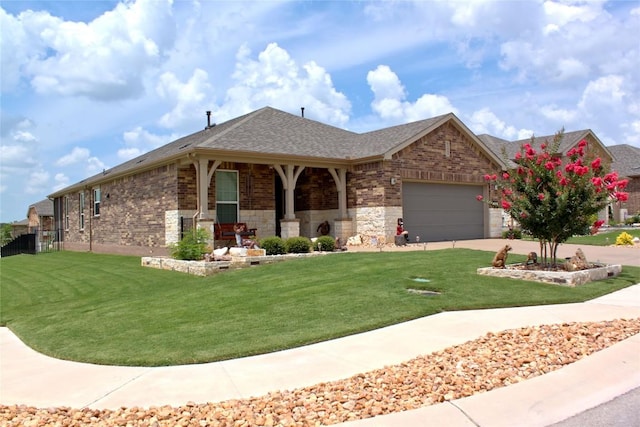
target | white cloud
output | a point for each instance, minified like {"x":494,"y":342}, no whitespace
{"x":390,"y":99}
{"x":189,"y":98}
{"x":17,"y":157}
{"x":485,"y":121}
{"x":61,"y":181}
{"x":38,"y":182}
{"x":562,"y":13}
{"x":559,"y":115}
{"x":138,"y":141}
{"x":606,"y":90}
{"x":104,"y":59}
{"x":276,"y":79}
{"x":77,"y":155}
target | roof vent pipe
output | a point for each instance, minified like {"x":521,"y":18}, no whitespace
{"x":209,"y":125}
{"x":302,"y":111}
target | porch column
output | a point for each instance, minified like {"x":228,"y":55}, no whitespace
{"x":203,"y":179}
{"x":340,"y":178}
{"x":289,"y":178}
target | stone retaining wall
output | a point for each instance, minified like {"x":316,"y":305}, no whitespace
{"x":563,"y":278}
{"x":203,"y":268}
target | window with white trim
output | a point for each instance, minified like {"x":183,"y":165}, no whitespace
{"x":67,"y":206}
{"x":81,"y":210}
{"x":227,"y":196}
{"x":96,"y":201}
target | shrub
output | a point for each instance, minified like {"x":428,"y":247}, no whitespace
{"x":193,"y":246}
{"x":324,"y":243}
{"x":516,"y":233}
{"x":298,"y":245}
{"x":633,"y":219}
{"x":273,"y":245}
{"x":624,"y":238}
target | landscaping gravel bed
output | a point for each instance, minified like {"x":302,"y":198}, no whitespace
{"x":494,"y":360}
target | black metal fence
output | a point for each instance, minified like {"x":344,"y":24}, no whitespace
{"x":186,"y":226}
{"x":33,"y":243}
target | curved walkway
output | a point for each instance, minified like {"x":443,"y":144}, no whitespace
{"x":27,"y":377}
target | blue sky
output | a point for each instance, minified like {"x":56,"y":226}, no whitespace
{"x":87,"y":85}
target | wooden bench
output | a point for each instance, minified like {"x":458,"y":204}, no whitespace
{"x":224,"y":231}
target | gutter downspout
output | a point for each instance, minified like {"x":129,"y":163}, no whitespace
{"x":90,"y":220}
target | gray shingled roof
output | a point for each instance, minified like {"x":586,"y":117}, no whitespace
{"x":626,"y":160}
{"x":569,"y":140}
{"x":43,"y":207}
{"x":500,"y":146}
{"x":379,"y":142}
{"x":495,"y":144}
{"x":273,"y":133}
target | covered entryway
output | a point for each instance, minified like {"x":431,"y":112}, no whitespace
{"x":439,"y":212}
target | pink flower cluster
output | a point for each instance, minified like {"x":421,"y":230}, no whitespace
{"x":568,"y":176}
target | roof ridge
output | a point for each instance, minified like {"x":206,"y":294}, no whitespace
{"x":239,"y":120}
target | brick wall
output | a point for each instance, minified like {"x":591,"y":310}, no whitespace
{"x":316,"y":190}
{"x":132,"y":212}
{"x":633,"y":204}
{"x":444,"y":155}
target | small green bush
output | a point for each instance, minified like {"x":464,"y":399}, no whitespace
{"x":516,"y":233}
{"x":298,"y":245}
{"x":633,"y":219}
{"x":193,"y":246}
{"x":624,"y":239}
{"x":273,"y":245}
{"x":324,"y":243}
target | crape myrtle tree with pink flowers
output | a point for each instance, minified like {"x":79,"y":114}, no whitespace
{"x":553,"y":200}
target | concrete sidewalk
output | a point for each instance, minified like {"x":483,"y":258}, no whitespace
{"x":27,"y":377}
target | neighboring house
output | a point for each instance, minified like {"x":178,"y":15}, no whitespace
{"x":626,"y":161}
{"x":284,"y":174}
{"x":40,"y":221}
{"x":19,"y":227}
{"x":40,"y":218}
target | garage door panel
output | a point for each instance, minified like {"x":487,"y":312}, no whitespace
{"x":438,"y":212}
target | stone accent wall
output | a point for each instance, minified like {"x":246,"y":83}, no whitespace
{"x":263,"y":220}
{"x":172,"y":224}
{"x":289,"y":228}
{"x":370,"y":221}
{"x":495,"y":222}
{"x":309,"y":221}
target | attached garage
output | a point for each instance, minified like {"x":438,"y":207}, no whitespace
{"x":442,"y":212}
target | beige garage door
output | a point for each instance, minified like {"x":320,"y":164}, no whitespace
{"x":439,"y":212}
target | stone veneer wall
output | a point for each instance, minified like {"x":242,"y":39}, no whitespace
{"x":172,"y":224}
{"x":263,"y":220}
{"x":495,"y":222}
{"x":309,"y":221}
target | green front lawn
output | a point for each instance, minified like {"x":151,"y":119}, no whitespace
{"x":108,"y":309}
{"x":603,"y":239}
